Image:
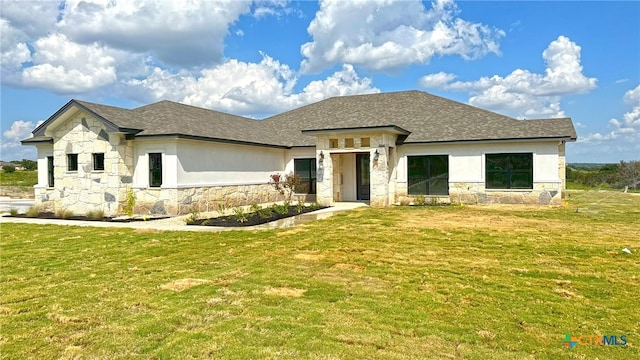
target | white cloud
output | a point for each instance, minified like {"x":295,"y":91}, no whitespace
{"x":179,"y":33}
{"x":63,"y":66}
{"x":625,"y":132}
{"x":246,"y":88}
{"x":384,"y":35}
{"x":523,"y":93}
{"x":19,"y":130}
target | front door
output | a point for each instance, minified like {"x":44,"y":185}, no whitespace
{"x":363,"y":188}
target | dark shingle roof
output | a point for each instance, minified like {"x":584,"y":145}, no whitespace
{"x":428,"y":118}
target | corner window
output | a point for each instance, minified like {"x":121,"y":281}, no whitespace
{"x":509,"y":171}
{"x":72,"y":162}
{"x":155,"y":169}
{"x":305,"y":169}
{"x":428,"y":175}
{"x":98,"y":161}
{"x":50,"y":178}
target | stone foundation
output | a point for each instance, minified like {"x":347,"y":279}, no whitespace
{"x":184,"y":200}
{"x":476,"y":193}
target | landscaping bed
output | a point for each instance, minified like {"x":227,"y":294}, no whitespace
{"x":54,"y":216}
{"x":256,"y":216}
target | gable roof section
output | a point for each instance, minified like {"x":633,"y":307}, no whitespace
{"x":423,"y":118}
{"x":428,"y":118}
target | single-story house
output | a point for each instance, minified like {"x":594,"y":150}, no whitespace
{"x":382,"y":148}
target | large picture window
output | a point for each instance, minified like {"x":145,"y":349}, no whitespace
{"x":509,"y":171}
{"x":428,"y":175}
{"x":155,"y":169}
{"x":305,"y":169}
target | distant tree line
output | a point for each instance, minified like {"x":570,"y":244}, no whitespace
{"x":615,"y":175}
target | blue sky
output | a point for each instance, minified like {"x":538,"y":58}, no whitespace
{"x":522,"y":59}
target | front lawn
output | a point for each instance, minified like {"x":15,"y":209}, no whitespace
{"x":473,"y":282}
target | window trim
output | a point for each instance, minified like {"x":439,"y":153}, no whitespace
{"x":509,"y":185}
{"x":427,"y":176}
{"x":95,"y":163}
{"x":313,"y":181}
{"x":72,"y":162}
{"x":51,"y":179}
{"x":151,"y":182}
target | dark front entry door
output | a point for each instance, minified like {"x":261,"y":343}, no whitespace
{"x":363,"y":188}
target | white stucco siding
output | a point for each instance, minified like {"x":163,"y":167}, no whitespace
{"x":467,"y":161}
{"x":168,"y":149}
{"x":44,"y":151}
{"x":211,"y":164}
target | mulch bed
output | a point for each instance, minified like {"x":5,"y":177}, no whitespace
{"x":254,"y":218}
{"x":50,"y":215}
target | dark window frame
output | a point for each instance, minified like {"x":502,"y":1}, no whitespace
{"x":98,"y":161}
{"x":72,"y":162}
{"x":509,"y":171}
{"x":307,"y":175}
{"x":50,"y":172}
{"x":425,"y":175}
{"x":155,"y":169}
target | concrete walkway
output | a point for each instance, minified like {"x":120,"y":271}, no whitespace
{"x":178,"y":223}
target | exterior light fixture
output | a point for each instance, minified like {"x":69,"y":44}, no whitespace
{"x":321,"y":157}
{"x":376,"y":156}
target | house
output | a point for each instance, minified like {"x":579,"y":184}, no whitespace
{"x":382,"y":148}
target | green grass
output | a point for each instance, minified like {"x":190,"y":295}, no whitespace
{"x":473,"y":282}
{"x":19,"y":178}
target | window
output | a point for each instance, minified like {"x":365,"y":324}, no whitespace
{"x":155,"y":169}
{"x":509,"y":171}
{"x":50,"y":178}
{"x":72,"y":162}
{"x":305,"y":169}
{"x":428,"y":175}
{"x":348,"y":142}
{"x":333,"y":143}
{"x":98,"y":161}
{"x":365,"y":142}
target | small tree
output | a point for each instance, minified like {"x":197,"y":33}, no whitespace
{"x":285,"y":184}
{"x":8,"y":169}
{"x":629,"y":174}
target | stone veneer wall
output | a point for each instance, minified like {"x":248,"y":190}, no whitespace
{"x":183,"y":200}
{"x":476,"y":193}
{"x":87,"y":190}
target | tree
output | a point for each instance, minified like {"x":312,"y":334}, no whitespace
{"x":8,"y":169}
{"x":29,"y":164}
{"x":629,"y":174}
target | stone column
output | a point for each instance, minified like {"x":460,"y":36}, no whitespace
{"x":379,"y":177}
{"x":324,"y":180}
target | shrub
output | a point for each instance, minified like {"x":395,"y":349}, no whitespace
{"x":64,"y":213}
{"x":8,"y":169}
{"x":420,"y":200}
{"x":129,"y":202}
{"x":240,"y":215}
{"x":255,"y":207}
{"x":314,"y":206}
{"x":285,"y":185}
{"x":95,"y":215}
{"x":264,"y":213}
{"x":281,"y":209}
{"x":300,"y":206}
{"x":33,"y":212}
{"x":194,"y":214}
{"x":13,"y":212}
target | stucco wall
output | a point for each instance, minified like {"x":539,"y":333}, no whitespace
{"x":86,"y":189}
{"x":467,"y":172}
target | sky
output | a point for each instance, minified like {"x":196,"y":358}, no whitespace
{"x":528,"y":60}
